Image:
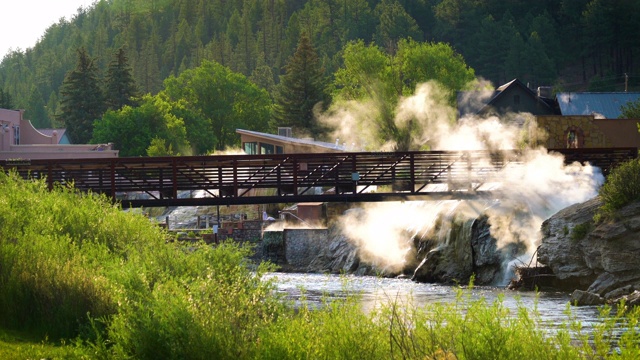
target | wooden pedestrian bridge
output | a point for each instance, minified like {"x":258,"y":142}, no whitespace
{"x":294,"y":178}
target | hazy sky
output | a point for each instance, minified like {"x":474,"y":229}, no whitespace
{"x":25,"y":21}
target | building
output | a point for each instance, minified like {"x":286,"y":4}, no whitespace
{"x":20,"y":140}
{"x":587,"y":131}
{"x":601,"y":105}
{"x":254,"y":143}
{"x":512,"y":97}
{"x":570,"y":120}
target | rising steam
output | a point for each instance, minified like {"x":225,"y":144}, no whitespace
{"x":526,"y":195}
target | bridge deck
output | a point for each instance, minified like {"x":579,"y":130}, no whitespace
{"x":283,"y":178}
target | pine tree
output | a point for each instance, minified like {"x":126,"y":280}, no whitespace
{"x":6,"y":102}
{"x":300,"y":89}
{"x":82,"y":101}
{"x":120,"y":87}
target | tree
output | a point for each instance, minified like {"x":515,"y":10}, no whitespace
{"x":120,"y":87}
{"x":395,"y":24}
{"x":300,"y":89}
{"x":370,"y":75}
{"x":6,"y":102}
{"x":132,"y":129}
{"x":227,"y":101}
{"x":630,"y":110}
{"x":82,"y":101}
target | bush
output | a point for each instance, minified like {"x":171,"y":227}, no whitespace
{"x":77,"y":267}
{"x":621,"y":188}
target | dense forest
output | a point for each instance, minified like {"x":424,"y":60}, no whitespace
{"x":568,"y":44}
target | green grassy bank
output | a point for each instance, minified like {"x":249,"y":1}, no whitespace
{"x":79,"y":278}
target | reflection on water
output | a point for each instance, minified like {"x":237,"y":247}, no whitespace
{"x":551,"y":306}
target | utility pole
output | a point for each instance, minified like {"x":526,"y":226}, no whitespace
{"x":626,"y":81}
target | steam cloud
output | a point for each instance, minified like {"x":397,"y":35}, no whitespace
{"x":525,"y":195}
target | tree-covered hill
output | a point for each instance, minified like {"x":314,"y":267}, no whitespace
{"x":570,"y":44}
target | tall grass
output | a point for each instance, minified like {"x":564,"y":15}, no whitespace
{"x":74,"y":267}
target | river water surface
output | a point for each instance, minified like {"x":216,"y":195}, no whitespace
{"x":551,"y":306}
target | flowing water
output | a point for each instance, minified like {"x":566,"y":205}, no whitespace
{"x":374,"y":291}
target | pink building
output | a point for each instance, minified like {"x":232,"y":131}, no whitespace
{"x":20,"y":140}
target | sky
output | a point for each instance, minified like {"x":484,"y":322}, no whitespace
{"x":25,"y":21}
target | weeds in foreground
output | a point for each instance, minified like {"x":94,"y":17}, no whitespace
{"x":76,"y":268}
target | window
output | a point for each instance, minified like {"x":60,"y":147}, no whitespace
{"x":16,"y":135}
{"x":279,"y":150}
{"x":251,"y":148}
{"x":266,"y":148}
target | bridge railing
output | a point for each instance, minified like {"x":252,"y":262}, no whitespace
{"x":292,"y":177}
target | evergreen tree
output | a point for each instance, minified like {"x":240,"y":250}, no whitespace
{"x":300,"y":89}
{"x":395,"y":24}
{"x":82,"y":101}
{"x":120,"y":87}
{"x":6,"y":102}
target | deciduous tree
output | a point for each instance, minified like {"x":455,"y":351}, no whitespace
{"x":227,"y":100}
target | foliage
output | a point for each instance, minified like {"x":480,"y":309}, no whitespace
{"x":382,"y":80}
{"x":227,"y":101}
{"x":621,"y":187}
{"x":120,"y":87}
{"x":395,"y":25}
{"x":132,"y":129}
{"x":631,"y":110}
{"x":158,"y":147}
{"x":301,"y":88}
{"x":73,"y":266}
{"x":581,"y":230}
{"x":541,"y":43}
{"x":6,"y":102}
{"x":82,"y":100}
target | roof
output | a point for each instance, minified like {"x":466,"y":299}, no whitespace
{"x":49,"y":132}
{"x":470,"y":103}
{"x":606,"y":104}
{"x":292,"y":139}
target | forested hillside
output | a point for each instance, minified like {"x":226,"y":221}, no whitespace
{"x":570,"y":44}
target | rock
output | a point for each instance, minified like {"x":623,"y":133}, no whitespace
{"x":632,"y":299}
{"x":565,"y":256}
{"x":585,"y":298}
{"x":599,"y":258}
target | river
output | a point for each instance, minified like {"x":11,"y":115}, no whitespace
{"x":552,"y":306}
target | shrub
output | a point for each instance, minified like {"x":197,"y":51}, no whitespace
{"x":621,"y":188}
{"x":580,"y":231}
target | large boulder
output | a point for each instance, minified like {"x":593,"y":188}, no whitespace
{"x":599,"y":258}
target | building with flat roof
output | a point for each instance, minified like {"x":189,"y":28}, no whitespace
{"x":254,"y":142}
{"x":20,"y":140}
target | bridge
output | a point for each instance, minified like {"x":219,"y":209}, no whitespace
{"x":293,"y":178}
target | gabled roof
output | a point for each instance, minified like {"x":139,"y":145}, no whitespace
{"x":292,"y":139}
{"x":470,"y":104}
{"x":604,"y":104}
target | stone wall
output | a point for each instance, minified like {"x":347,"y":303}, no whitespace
{"x":302,"y":246}
{"x":558,"y":128}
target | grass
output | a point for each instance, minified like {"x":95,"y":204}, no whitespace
{"x":81,"y":279}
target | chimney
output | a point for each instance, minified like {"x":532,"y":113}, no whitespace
{"x":545,"y":92}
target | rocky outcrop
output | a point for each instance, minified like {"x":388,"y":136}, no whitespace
{"x":467,"y":249}
{"x":601,"y":259}
{"x":462,"y":249}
